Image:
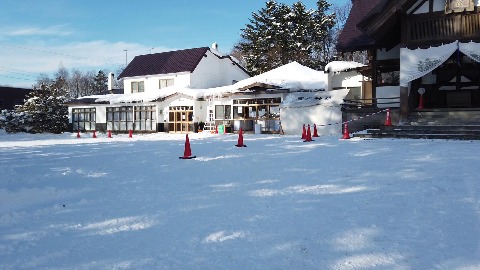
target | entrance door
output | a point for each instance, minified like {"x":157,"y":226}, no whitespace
{"x":180,"y":119}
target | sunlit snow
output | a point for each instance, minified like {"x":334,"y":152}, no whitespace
{"x":280,"y":203}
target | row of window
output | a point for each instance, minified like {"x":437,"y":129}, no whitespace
{"x":247,"y":112}
{"x":118,"y":118}
{"x":83,"y":119}
{"x":144,"y":117}
{"x":139,"y":87}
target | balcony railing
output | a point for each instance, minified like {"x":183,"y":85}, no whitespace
{"x":446,"y":28}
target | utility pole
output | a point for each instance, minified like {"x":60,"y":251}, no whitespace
{"x":126,"y":57}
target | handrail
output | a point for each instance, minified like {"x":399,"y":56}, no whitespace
{"x":371,"y":102}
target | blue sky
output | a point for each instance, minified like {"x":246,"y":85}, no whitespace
{"x":37,"y":36}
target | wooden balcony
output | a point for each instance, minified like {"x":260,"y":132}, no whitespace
{"x":428,"y":30}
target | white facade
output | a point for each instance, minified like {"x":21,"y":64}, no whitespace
{"x":212,"y":71}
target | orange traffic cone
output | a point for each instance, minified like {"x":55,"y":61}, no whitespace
{"x":304,"y":133}
{"x":130,"y":133}
{"x":315,"y":133}
{"x":187,"y":154}
{"x":346,"y":134}
{"x":240,"y":139}
{"x":388,"y":121}
{"x":308,"y":138}
{"x":94,"y":134}
{"x":216,"y":129}
{"x":109,"y":134}
{"x":78,"y":133}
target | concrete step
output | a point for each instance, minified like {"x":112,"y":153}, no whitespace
{"x":458,"y":128}
{"x":454,"y":132}
{"x":419,"y":136}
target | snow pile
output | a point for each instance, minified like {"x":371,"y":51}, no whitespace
{"x":293,"y":76}
{"x":130,"y":203}
{"x":339,"y":66}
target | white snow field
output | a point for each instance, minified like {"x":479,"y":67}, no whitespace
{"x":279,"y":203}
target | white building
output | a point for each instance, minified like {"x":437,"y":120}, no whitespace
{"x":151,"y":100}
{"x":176,"y":91}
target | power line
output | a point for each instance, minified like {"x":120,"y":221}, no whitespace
{"x":20,"y":72}
{"x":6,"y":76}
{"x":60,"y":54}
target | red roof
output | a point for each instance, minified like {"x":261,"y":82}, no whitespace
{"x":351,"y":38}
{"x":164,"y":63}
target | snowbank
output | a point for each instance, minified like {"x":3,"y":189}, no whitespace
{"x":339,"y":66}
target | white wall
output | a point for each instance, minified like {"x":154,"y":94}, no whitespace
{"x":214,"y":72}
{"x":329,"y":114}
{"x":344,"y":80}
{"x":234,"y":73}
{"x":152,"y":82}
{"x":294,"y":118}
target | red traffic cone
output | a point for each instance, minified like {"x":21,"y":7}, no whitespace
{"x":94,"y":134}
{"x":240,"y":139}
{"x":78,"y":133}
{"x":388,"y":121}
{"x":346,"y":134}
{"x":420,"y":103}
{"x":308,"y":138}
{"x":315,"y":133}
{"x":130,"y":133}
{"x":109,"y":134}
{"x":304,"y":133}
{"x":216,"y":129}
{"x":187,"y":154}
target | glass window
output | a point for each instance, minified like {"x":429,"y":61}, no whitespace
{"x":165,"y":83}
{"x":138,"y":87}
{"x":83,"y":119}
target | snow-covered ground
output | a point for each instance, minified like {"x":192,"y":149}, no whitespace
{"x":280,"y":203}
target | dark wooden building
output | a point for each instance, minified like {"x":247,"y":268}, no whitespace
{"x":11,"y":96}
{"x":424,"y":55}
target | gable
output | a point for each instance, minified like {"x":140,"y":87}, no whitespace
{"x":352,"y":38}
{"x":164,"y":63}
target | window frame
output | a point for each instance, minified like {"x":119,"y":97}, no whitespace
{"x":84,"y":119}
{"x":163,"y":83}
{"x":137,"y":86}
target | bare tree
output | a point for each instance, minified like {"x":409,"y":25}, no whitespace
{"x":343,"y":12}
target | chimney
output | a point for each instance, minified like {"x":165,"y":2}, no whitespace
{"x":111,"y":79}
{"x":215,"y":46}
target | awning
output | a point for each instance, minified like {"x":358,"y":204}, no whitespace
{"x":419,"y":62}
{"x":471,"y":50}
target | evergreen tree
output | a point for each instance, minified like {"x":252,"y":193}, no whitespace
{"x":100,"y":82}
{"x":258,"y":39}
{"x":279,"y":34}
{"x":46,"y":109}
{"x":301,"y":32}
{"x":323,"y":38}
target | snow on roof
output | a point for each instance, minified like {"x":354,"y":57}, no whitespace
{"x":339,"y":66}
{"x":292,"y":76}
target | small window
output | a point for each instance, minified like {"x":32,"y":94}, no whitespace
{"x":165,"y":83}
{"x":138,"y":87}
